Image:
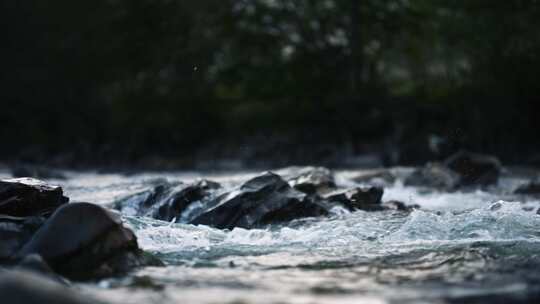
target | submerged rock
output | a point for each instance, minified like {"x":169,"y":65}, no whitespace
{"x":174,"y":206}
{"x":25,"y":287}
{"x":368,"y":199}
{"x":142,"y":203}
{"x":434,"y":175}
{"x":15,"y":232}
{"x":29,"y":197}
{"x":310,"y":180}
{"x":474,"y":169}
{"x":83,"y":241}
{"x":265,"y":199}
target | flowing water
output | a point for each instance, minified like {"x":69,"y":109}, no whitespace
{"x":462,"y":247}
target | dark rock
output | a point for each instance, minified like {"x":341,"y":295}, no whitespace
{"x":168,"y":201}
{"x":29,"y":197}
{"x":474,"y":169}
{"x":83,"y":241}
{"x":311,"y":180}
{"x":532,"y":188}
{"x":142,"y":203}
{"x":24,"y":287}
{"x":434,"y":175}
{"x":265,"y":199}
{"x":375,"y":177}
{"x":368,"y":199}
{"x":36,"y":172}
{"x":399,"y":206}
{"x":177,"y":203}
{"x":15,"y":232}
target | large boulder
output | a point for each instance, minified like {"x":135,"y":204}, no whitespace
{"x":474,"y":169}
{"x":85,"y":241}
{"x":265,"y":199}
{"x":25,"y":287}
{"x":15,"y":232}
{"x":29,"y":197}
{"x":183,"y":205}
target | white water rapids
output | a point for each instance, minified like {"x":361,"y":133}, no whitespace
{"x":459,"y":247}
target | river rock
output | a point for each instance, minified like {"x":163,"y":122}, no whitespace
{"x":29,"y":197}
{"x":265,"y":199}
{"x":15,"y":232}
{"x":83,"y":241}
{"x":177,"y":204}
{"x":310,"y":180}
{"x":434,"y":175}
{"x":474,"y":169}
{"x":368,"y":199}
{"x":142,"y":203}
{"x":170,"y":201}
{"x":25,"y":287}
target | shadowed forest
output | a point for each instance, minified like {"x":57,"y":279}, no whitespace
{"x":121,"y":82}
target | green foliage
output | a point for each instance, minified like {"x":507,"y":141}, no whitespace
{"x":163,"y":75}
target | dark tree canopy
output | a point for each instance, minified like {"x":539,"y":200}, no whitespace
{"x":158,"y":77}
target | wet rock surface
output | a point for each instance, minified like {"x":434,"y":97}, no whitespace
{"x":29,"y":197}
{"x":178,"y":203}
{"x":40,"y":231}
{"x":144,"y":202}
{"x":268,"y":198}
{"x":168,"y":201}
{"x":265,"y":199}
{"x":83,"y":241}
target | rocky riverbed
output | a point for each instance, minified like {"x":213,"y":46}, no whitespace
{"x":462,"y":231}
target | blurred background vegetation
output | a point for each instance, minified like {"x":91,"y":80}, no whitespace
{"x":103,"y":82}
